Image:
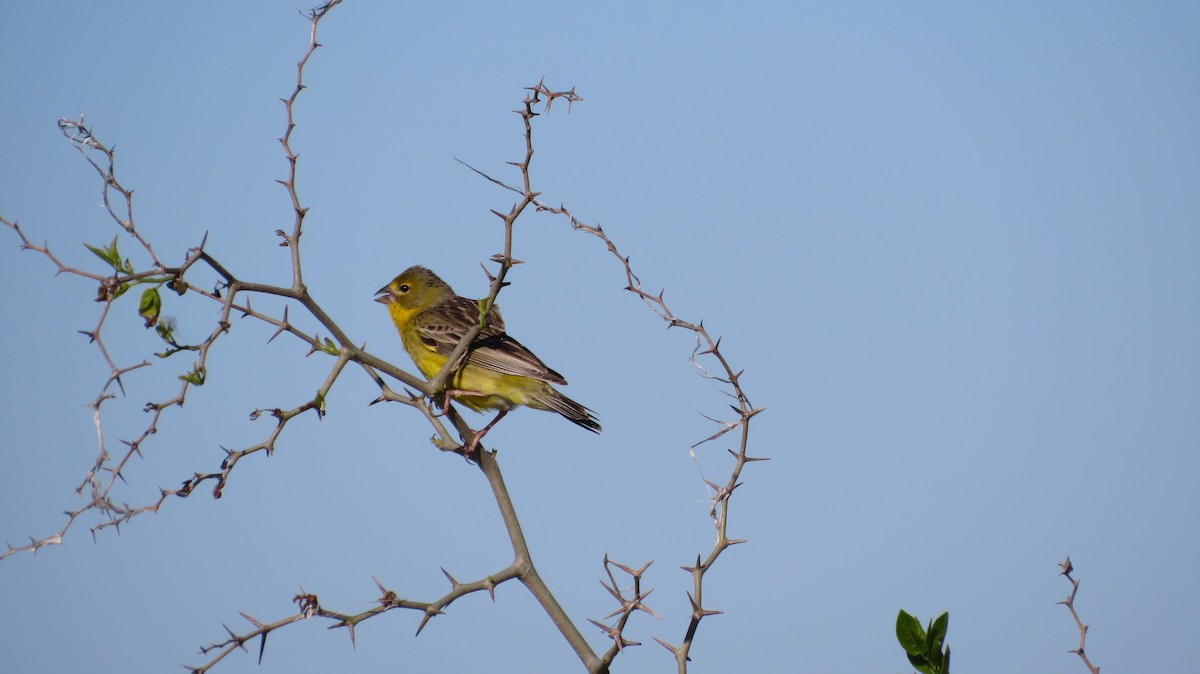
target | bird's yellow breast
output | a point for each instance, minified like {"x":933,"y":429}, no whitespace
{"x":499,"y":391}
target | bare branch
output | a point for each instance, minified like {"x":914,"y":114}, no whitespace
{"x":1069,"y":602}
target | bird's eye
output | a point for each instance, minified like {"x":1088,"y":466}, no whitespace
{"x":404,"y":287}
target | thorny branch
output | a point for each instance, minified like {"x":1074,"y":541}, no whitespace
{"x":118,"y":202}
{"x":310,"y":607}
{"x":106,"y":470}
{"x":1069,"y":602}
{"x":743,"y":409}
{"x":89,"y":146}
{"x":628,"y":605}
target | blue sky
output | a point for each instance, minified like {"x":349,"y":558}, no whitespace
{"x":954,"y":248}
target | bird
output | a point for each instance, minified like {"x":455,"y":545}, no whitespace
{"x":498,"y":374}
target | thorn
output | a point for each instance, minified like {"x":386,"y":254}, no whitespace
{"x":642,"y":570}
{"x":613,"y":591}
{"x":453,"y":582}
{"x":620,"y":611}
{"x":429,"y":613}
{"x":626,"y":569}
{"x":252,"y":620}
{"x":386,"y":597}
{"x":647,"y":609}
{"x":667,"y":646}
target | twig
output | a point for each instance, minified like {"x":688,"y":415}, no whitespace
{"x":1069,"y":602}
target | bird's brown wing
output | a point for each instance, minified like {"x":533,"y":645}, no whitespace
{"x":443,"y":326}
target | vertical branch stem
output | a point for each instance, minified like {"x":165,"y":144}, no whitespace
{"x":527,"y":572}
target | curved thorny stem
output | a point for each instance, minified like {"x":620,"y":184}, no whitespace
{"x":706,"y":347}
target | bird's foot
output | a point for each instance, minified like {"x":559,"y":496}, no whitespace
{"x":442,"y":401}
{"x":473,"y":445}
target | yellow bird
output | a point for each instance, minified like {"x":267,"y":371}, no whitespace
{"x":499,"y":374}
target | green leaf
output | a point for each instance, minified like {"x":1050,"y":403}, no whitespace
{"x":150,"y":306}
{"x":196,"y":376}
{"x":934,"y":640}
{"x":910,"y":634}
{"x":166,"y":330}
{"x":108,"y":253}
{"x":937,"y":631}
{"x":920,"y":664}
{"x":100,"y":253}
{"x":330,"y":348}
{"x":112,"y":257}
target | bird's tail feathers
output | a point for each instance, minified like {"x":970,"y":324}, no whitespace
{"x":573,"y":411}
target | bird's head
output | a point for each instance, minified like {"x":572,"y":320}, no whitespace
{"x":414,"y":289}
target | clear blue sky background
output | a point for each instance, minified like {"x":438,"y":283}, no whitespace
{"x":955,"y":249}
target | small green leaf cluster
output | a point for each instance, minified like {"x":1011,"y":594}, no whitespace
{"x":924,"y":645}
{"x":112,"y":257}
{"x":149,"y":305}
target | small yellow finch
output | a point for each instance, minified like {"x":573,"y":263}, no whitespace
{"x":499,"y":373}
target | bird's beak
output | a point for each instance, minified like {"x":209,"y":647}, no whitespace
{"x":384,"y":294}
